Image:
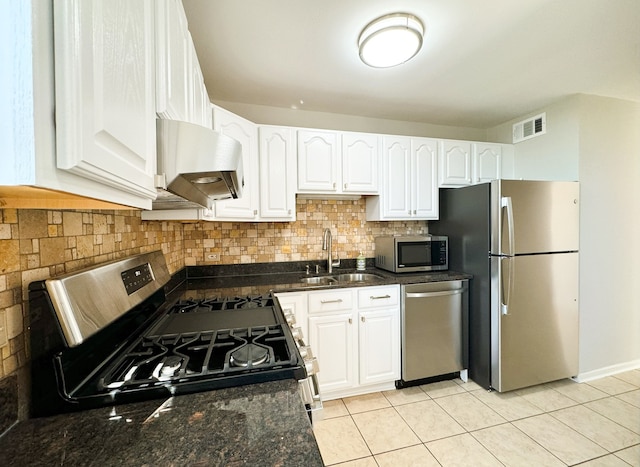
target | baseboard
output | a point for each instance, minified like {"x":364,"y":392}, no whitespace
{"x":607,"y":371}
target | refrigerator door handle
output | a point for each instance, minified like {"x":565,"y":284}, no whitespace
{"x":505,"y":202}
{"x":508,"y":290}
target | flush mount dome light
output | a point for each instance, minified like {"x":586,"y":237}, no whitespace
{"x":391,"y":40}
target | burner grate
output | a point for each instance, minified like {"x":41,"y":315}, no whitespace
{"x":227,"y":303}
{"x":201,"y":355}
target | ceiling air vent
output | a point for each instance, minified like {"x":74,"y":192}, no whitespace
{"x":530,"y":128}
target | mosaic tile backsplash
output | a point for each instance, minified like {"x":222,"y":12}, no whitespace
{"x":38,"y":244}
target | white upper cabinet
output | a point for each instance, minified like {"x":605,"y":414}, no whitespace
{"x":360,"y":161}
{"x":181,"y":93}
{"x":105,"y":92}
{"x":334,"y":162}
{"x":396,"y":197}
{"x":318,"y":167}
{"x":172,"y":61}
{"x":246,"y":133}
{"x":409,"y":182}
{"x":487,"y":162}
{"x":465,"y":163}
{"x":455,"y":163}
{"x":277,"y":173}
{"x":200,"y":108}
{"x":425,"y":178}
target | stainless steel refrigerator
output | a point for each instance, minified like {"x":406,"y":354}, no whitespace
{"x":520,"y":241}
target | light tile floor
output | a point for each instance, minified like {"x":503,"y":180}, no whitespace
{"x":452,"y":423}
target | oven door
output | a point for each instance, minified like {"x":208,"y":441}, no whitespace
{"x":309,"y":387}
{"x":310,"y":393}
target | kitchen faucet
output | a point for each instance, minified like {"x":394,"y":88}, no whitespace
{"x":326,"y":245}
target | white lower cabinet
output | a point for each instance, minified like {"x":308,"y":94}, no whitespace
{"x":355,"y":334}
{"x":332,"y":339}
{"x":379,"y":334}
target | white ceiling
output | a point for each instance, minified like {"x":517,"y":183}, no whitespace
{"x":483,"y":62}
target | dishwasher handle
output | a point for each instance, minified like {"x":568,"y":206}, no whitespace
{"x":433,"y":294}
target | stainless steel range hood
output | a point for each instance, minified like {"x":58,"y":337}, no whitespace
{"x":196,"y":166}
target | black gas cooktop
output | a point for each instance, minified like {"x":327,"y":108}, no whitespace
{"x":158,"y":348}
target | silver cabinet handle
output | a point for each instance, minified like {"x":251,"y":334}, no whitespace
{"x":350,"y":321}
{"x":289,"y":211}
{"x":380,"y":297}
{"x":255,"y":212}
{"x":433,"y":294}
{"x":345,"y":186}
{"x":362,"y":319}
{"x":331,"y":301}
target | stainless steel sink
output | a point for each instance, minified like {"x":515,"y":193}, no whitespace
{"x":342,"y":278}
{"x":324,"y":280}
{"x":357,"y":277}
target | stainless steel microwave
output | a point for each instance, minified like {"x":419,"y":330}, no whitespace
{"x":412,"y":253}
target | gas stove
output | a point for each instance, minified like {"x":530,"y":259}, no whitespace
{"x":109,"y":335}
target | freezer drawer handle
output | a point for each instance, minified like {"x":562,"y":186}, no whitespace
{"x":331,"y":301}
{"x":379,"y":297}
{"x":434,"y":294}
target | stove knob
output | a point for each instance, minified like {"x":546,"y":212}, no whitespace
{"x":291,"y":319}
{"x":311,"y":365}
{"x":305,"y":352}
{"x":297,"y":333}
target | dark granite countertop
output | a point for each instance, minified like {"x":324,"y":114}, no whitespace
{"x":257,"y":425}
{"x":254,"y":279}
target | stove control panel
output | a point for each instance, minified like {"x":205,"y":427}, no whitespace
{"x":136,"y":278}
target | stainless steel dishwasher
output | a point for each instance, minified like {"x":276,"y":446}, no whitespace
{"x":434,"y":330}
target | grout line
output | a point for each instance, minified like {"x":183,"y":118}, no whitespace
{"x":509,"y":422}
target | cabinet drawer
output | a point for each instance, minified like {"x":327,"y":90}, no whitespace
{"x":331,"y":300}
{"x":376,"y":297}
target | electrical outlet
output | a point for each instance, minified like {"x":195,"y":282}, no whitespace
{"x":213,"y":257}
{"x":3,"y":330}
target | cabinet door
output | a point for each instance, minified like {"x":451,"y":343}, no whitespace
{"x":331,"y":338}
{"x":425,"y":179}
{"x":245,"y":132}
{"x":200,"y":105}
{"x":360,"y":161}
{"x":379,"y":346}
{"x":487,"y":162}
{"x":455,"y":163}
{"x":396,"y":178}
{"x":318,"y":161}
{"x":277,"y":173}
{"x":105,"y":92}
{"x":172,"y":60}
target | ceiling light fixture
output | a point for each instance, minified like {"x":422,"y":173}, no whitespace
{"x":391,"y":40}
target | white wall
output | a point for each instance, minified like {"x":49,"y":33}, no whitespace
{"x":331,"y":121}
{"x":552,"y":156}
{"x":596,"y":140}
{"x":610,"y":234}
